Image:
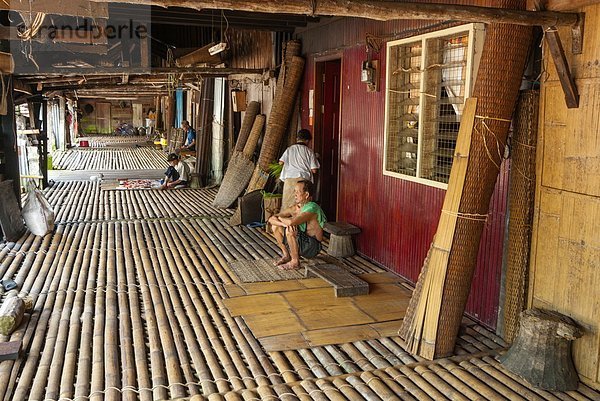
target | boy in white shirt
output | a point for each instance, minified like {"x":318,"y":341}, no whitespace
{"x":177,"y":175}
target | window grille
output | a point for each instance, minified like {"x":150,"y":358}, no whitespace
{"x":427,"y":83}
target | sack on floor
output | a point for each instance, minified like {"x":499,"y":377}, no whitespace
{"x":37,"y":212}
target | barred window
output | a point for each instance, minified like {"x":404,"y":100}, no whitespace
{"x":428,"y":79}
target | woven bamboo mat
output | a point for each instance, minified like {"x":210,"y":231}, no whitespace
{"x":253,"y":271}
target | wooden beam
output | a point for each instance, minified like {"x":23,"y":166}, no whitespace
{"x":74,"y":8}
{"x":562,"y":68}
{"x":22,"y":87}
{"x":119,"y":71}
{"x":377,"y":10}
{"x":568,"y":5}
{"x":57,"y":36}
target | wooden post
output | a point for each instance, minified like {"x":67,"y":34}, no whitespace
{"x":158,"y":113}
{"x":562,"y":68}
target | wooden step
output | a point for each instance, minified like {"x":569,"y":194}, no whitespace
{"x":345,"y":284}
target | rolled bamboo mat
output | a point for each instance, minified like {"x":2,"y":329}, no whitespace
{"x":236,"y":180}
{"x":521,"y":196}
{"x":249,"y":116}
{"x":280,"y":113}
{"x":110,"y":159}
{"x":433,"y":334}
{"x":240,"y":168}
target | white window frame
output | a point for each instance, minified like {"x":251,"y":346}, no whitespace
{"x":475,"y":47}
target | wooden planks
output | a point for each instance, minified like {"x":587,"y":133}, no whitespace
{"x":344,"y":283}
{"x":292,"y":316}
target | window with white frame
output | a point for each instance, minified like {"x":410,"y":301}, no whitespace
{"x":428,"y":79}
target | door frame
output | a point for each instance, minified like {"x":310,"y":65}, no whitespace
{"x":318,"y":63}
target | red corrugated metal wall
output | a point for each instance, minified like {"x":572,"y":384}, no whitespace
{"x":398,"y":218}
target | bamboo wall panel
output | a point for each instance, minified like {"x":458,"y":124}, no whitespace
{"x":569,"y":149}
{"x":398,"y":218}
{"x":564,"y":262}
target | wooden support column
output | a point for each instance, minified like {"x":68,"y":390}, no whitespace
{"x":562,"y":67}
{"x":9,"y":159}
{"x":144,"y":51}
{"x":157,"y":111}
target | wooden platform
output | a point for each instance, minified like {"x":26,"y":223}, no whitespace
{"x":306,"y":313}
{"x":132,"y":302}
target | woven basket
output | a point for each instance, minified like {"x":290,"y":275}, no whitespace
{"x":235,"y":181}
{"x":251,"y":111}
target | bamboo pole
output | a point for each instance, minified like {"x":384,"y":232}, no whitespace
{"x":85,"y":358}
{"x":317,"y":369}
{"x":125,"y":313}
{"x":112,"y":377}
{"x":212,"y":298}
{"x":36,"y":333}
{"x":212,"y":370}
{"x":40,"y":382}
{"x":71,"y":331}
{"x":157,"y":359}
{"x":379,"y":386}
{"x":383,"y":10}
{"x":137,"y":325}
{"x":394,"y":385}
{"x":165,"y":341}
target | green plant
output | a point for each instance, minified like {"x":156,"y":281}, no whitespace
{"x":270,"y":195}
{"x":275,"y":169}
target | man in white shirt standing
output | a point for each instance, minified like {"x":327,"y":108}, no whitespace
{"x":299,"y":163}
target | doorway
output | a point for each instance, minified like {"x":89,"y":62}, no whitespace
{"x":327,"y":132}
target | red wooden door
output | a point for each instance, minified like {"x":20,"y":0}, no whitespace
{"x":330,"y":137}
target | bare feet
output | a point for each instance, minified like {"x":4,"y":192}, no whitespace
{"x":282,"y":261}
{"x":290,"y":266}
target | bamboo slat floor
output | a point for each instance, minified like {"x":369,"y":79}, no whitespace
{"x":126,"y":158}
{"x":130,"y":304}
{"x":83,"y":175}
{"x":101,"y":141}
